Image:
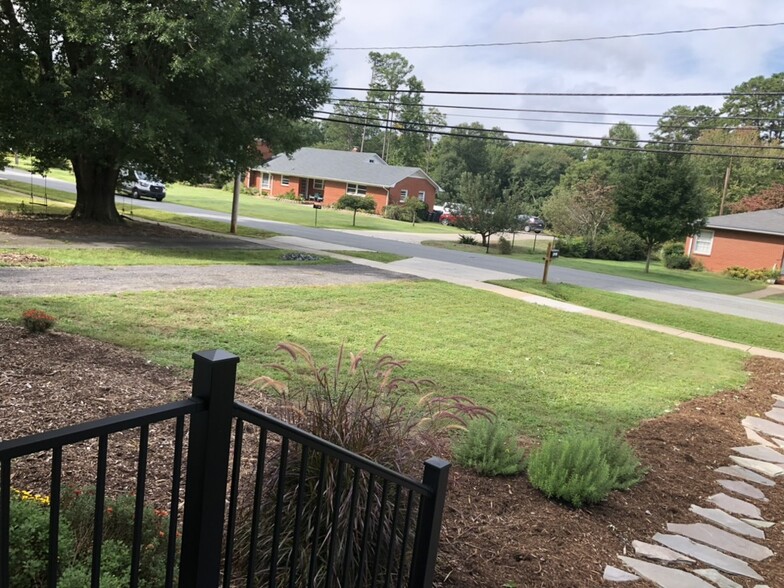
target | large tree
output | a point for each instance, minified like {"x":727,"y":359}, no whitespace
{"x":659,"y":200}
{"x":763,"y":112}
{"x":180,"y":89}
{"x":681,"y":125}
{"x":483,"y":210}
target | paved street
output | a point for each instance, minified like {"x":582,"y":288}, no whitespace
{"x":467,"y":263}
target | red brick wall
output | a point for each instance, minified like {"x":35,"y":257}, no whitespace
{"x":735,"y":248}
{"x":414,"y":186}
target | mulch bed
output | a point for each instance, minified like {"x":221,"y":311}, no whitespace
{"x":497,"y":531}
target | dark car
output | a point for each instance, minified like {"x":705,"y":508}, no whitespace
{"x":137,"y":184}
{"x":530,"y":223}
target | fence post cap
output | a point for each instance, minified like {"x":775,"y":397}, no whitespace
{"x":437,"y":462}
{"x":216,"y":356}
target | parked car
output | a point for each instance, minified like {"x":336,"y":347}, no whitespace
{"x":530,"y":223}
{"x":448,"y":219}
{"x":137,"y":184}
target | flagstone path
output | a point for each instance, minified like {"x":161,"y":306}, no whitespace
{"x":719,"y":552}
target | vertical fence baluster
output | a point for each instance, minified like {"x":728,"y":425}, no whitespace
{"x":382,"y":508}
{"x":138,"y":515}
{"x":366,"y":528}
{"x":174,"y":507}
{"x":5,"y":522}
{"x":431,"y":510}
{"x":54,"y":515}
{"x":333,"y":541}
{"x":100,"y":499}
{"x":284,"y":456}
{"x":406,"y":531}
{"x":320,"y":493}
{"x":349,"y":549}
{"x":303,"y":471}
{"x":235,"y":481}
{"x":393,"y":535}
{"x":258,"y":495}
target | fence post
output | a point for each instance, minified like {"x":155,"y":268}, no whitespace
{"x":428,"y":529}
{"x":209,"y":438}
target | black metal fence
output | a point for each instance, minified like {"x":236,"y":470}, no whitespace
{"x":262,"y":503}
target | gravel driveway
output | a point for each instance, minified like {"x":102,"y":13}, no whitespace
{"x":50,"y":281}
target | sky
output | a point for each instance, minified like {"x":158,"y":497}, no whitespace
{"x":698,"y":62}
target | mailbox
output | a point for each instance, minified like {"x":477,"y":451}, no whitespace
{"x":317,"y":206}
{"x":553,"y":254}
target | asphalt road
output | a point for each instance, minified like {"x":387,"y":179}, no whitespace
{"x":730,"y":305}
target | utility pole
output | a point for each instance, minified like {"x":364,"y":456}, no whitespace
{"x":235,"y":202}
{"x":726,"y":185}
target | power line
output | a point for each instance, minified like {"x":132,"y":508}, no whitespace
{"x":567,"y":94}
{"x":572,"y":40}
{"x":360,"y":119}
{"x":547,"y":111}
{"x":531,"y":142}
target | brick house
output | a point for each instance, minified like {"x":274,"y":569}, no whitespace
{"x":326,"y":175}
{"x":754,"y":240}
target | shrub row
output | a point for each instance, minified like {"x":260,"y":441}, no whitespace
{"x":616,"y":245}
{"x":753,"y":275}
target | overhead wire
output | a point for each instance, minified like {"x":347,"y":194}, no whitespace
{"x":559,"y":144}
{"x":358,"y":120}
{"x":566,"y":94}
{"x":568,"y":40}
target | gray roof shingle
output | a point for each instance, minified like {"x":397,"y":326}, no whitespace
{"x":344,"y":166}
{"x":768,"y":222}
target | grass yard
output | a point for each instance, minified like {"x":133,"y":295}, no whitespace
{"x":712,"y":324}
{"x":704,"y":281}
{"x":778,"y":298}
{"x":286,"y":211}
{"x":121,"y":256}
{"x":542,"y":369}
{"x":379,"y":256}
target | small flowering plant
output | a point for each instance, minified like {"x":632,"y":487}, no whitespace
{"x":37,"y":321}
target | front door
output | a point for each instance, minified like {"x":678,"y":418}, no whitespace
{"x":303,"y":187}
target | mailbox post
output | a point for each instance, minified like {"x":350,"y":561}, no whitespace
{"x":548,"y":258}
{"x":316,"y":208}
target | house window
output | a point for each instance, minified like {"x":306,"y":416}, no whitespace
{"x":703,"y":243}
{"x":284,"y":180}
{"x":403,"y":195}
{"x":421,"y":195}
{"x":356,"y":189}
{"x":266,"y":181}
{"x":318,"y":184}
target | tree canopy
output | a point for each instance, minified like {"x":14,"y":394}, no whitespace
{"x":180,"y":89}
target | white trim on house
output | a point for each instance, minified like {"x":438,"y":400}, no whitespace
{"x":356,"y":189}
{"x":266,"y":181}
{"x":284,"y":180}
{"x":422,"y":195}
{"x":318,"y":184}
{"x":703,"y":242}
{"x":403,"y":195}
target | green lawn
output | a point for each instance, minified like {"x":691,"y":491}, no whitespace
{"x":275,"y":210}
{"x":379,"y":256}
{"x":740,"y":330}
{"x":705,"y":281}
{"x":544,"y":370}
{"x":120,"y":256}
{"x":778,"y":298}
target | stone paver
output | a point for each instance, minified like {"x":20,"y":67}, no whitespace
{"x":758,"y":439}
{"x":721,"y":539}
{"x":779,"y":442}
{"x":743,"y":488}
{"x":764,"y":426}
{"x":729,"y":522}
{"x":659,"y":553}
{"x":738,"y":472}
{"x":664,"y":577}
{"x":777,"y":414}
{"x":717,"y":578}
{"x":736,"y":506}
{"x":708,"y":555}
{"x":779,"y":404}
{"x":613,"y":574}
{"x":761,"y":453}
{"x":759,"y":524}
{"x":762,"y":467}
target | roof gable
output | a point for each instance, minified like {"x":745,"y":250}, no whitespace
{"x":344,"y":166}
{"x":768,"y":222}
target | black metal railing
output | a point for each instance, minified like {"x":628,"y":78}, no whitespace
{"x":264,"y":505}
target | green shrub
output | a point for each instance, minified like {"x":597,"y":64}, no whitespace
{"x":467,"y":240}
{"x":672,"y":248}
{"x":753,"y":275}
{"x":490,"y":448}
{"x":583,"y":469}
{"x":395,"y":212}
{"x":504,"y":246}
{"x":573,"y":247}
{"x":37,"y":321}
{"x":680,"y":262}
{"x":619,"y":245}
{"x":288,"y":195}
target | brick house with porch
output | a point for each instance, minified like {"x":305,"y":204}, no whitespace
{"x":754,"y":240}
{"x":324,"y":175}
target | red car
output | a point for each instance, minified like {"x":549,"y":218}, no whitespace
{"x":448,"y":218}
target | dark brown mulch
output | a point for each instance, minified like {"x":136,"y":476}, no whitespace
{"x":496,"y":532}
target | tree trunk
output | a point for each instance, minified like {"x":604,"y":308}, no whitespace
{"x":95,"y":186}
{"x":235,"y":203}
{"x":354,"y":220}
{"x":648,"y":258}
